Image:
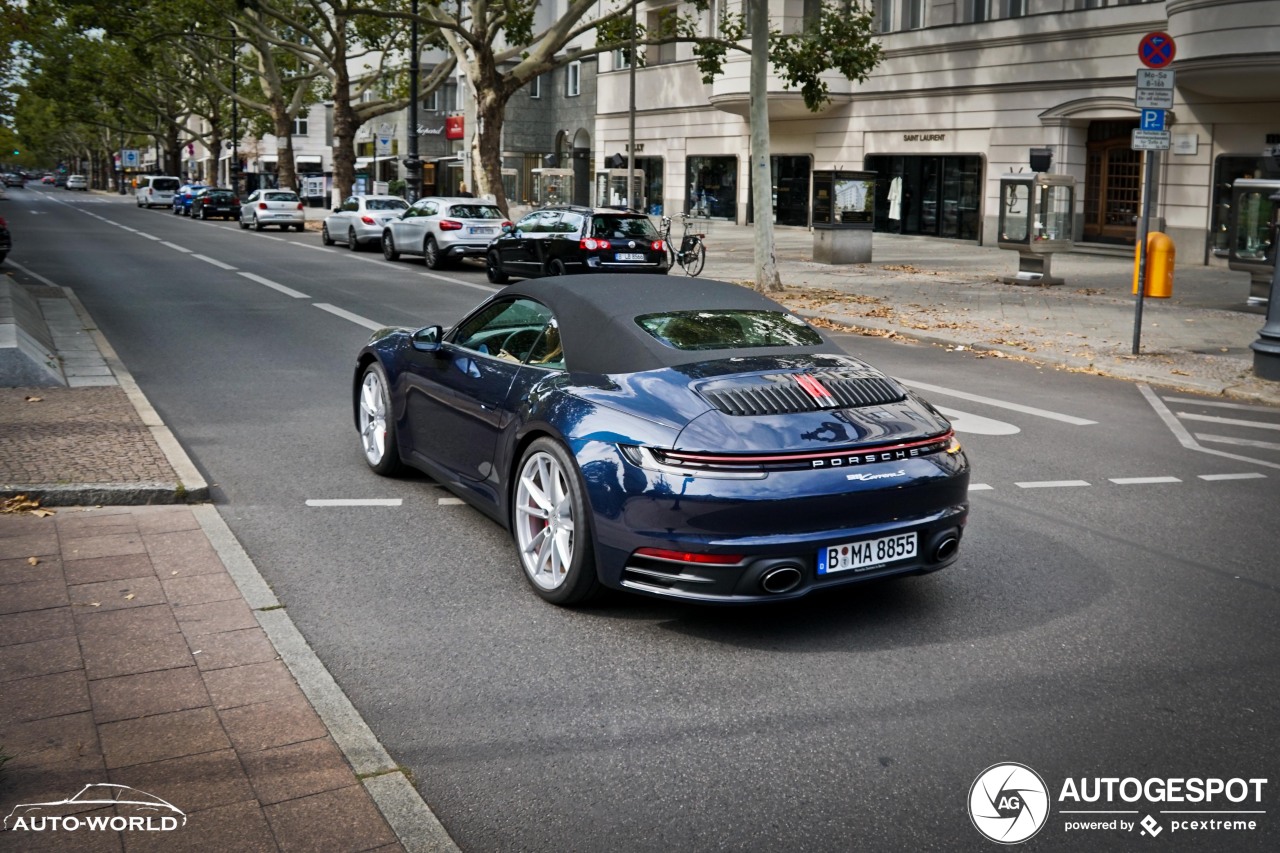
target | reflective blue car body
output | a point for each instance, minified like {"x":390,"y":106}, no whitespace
{"x":720,"y":476}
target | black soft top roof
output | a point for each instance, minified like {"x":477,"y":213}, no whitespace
{"x":597,"y":318}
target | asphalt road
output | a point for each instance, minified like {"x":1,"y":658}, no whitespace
{"x":1113,"y":613}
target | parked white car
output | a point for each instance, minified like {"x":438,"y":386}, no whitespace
{"x":443,"y":230}
{"x":78,"y":182}
{"x":360,"y":219}
{"x":156,"y":190}
{"x":266,"y":207}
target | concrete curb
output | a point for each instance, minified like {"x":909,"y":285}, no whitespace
{"x":400,"y":803}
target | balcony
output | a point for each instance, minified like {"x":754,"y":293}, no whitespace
{"x":1227,"y":48}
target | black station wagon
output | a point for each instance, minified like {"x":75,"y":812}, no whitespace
{"x":564,"y":240}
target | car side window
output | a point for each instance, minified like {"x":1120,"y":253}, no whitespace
{"x":570,"y":223}
{"x":548,"y":351}
{"x":351,"y":204}
{"x":528,"y":223}
{"x":507,"y":329}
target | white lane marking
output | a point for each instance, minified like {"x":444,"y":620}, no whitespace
{"x":347,"y":315}
{"x":977,"y":424}
{"x":287,"y":291}
{"x":999,"y":404}
{"x":1141,"y":481}
{"x":126,"y":227}
{"x":1184,"y":435}
{"x":451,"y":502}
{"x":355,"y":502}
{"x":1241,"y":407}
{"x":1052,"y":484}
{"x":1240,"y":442}
{"x":33,"y":274}
{"x":980,"y":487}
{"x":487,"y":287}
{"x":1253,"y":475}
{"x":149,"y":236}
{"x":1187,"y":416}
{"x":215,"y":262}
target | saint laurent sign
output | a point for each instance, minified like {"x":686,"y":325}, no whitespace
{"x":924,"y":137}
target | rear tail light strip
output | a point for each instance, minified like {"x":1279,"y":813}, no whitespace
{"x":729,"y":464}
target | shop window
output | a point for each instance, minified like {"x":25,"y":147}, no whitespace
{"x":712,"y":187}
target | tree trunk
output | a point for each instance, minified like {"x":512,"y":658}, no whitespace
{"x":767,"y":278}
{"x":285,"y":171}
{"x":486,"y":155}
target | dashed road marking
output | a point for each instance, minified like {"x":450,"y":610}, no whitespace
{"x":980,"y":487}
{"x":325,"y":502}
{"x":1253,"y":475}
{"x":287,"y":291}
{"x":451,"y":502}
{"x":347,"y":315}
{"x":214,"y":261}
{"x":175,"y":247}
{"x":1142,"y":481}
{"x":1053,"y":484}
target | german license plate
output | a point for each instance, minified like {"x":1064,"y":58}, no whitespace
{"x":629,"y":256}
{"x":474,"y":230}
{"x":867,"y":554}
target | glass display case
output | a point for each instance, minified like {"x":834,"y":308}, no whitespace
{"x":1037,"y":219}
{"x":552,"y":186}
{"x":843,"y":216}
{"x":1251,"y":235}
{"x":611,"y":189}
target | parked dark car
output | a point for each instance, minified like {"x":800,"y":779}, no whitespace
{"x":13,"y":179}
{"x":681,"y":438}
{"x":210,"y":202}
{"x":183,"y":197}
{"x":564,"y":240}
{"x":6,"y":241}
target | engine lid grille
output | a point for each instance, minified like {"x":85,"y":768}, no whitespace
{"x":786,"y":393}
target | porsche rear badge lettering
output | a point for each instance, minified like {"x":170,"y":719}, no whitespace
{"x":869,"y":458}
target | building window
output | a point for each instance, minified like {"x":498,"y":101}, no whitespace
{"x":1015,"y":8}
{"x":573,"y":79}
{"x":620,"y":59}
{"x":915,"y":14}
{"x":661,"y":23}
{"x":883,"y":10}
{"x":535,"y":87}
{"x":979,"y":11}
{"x":300,"y":126}
{"x":431,"y":102}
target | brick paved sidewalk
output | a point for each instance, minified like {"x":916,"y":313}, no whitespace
{"x":129,"y":656}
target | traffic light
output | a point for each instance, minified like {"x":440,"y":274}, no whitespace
{"x":16,"y":152}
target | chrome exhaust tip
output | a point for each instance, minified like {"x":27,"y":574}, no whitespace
{"x":781,"y":579}
{"x":946,"y":549}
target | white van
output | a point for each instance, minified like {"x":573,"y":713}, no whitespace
{"x":156,"y":191}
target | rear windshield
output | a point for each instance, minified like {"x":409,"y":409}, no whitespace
{"x":386,"y":204}
{"x":728,"y":329}
{"x":475,"y":211}
{"x":165,"y":185}
{"x":622,"y":227}
{"x":280,"y":196}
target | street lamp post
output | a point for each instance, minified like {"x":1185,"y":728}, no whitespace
{"x":1266,"y":349}
{"x":412,"y":165}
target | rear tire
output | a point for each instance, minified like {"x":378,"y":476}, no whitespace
{"x":695,"y":259}
{"x":552,"y":526}
{"x":493,"y":268}
{"x":325,"y":239}
{"x":352,"y":243}
{"x":431,"y":254}
{"x":257,"y":224}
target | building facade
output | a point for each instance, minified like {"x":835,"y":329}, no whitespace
{"x":965,"y":89}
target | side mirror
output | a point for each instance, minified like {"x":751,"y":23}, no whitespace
{"x":337,"y":210}
{"x":427,"y":339}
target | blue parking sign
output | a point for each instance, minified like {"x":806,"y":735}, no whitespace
{"x":1152,"y":120}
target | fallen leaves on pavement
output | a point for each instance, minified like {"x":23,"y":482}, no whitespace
{"x":21,"y":504}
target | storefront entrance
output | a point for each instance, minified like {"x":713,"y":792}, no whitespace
{"x":932,"y":196}
{"x":713,"y":187}
{"x":790,"y":191}
{"x":1113,"y":183}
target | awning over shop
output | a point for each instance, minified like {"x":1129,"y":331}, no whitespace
{"x":365,"y":162}
{"x":309,"y":159}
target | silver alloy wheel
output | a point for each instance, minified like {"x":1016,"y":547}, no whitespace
{"x":373,"y":418}
{"x":544,"y":521}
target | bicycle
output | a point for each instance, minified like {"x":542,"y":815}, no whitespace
{"x":692,"y":254}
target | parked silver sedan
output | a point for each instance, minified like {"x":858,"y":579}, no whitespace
{"x":442,"y":230}
{"x":266,"y":207}
{"x":361,"y":219}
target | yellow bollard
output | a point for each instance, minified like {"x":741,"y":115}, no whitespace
{"x":1160,"y":258}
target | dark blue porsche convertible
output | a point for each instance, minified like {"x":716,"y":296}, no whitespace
{"x":684,"y":439}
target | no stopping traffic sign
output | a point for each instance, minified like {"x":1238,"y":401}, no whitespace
{"x":1156,"y":50}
